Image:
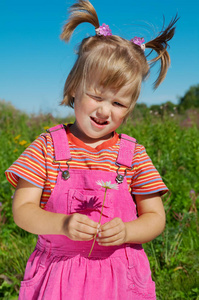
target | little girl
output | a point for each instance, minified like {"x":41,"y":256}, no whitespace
{"x":62,"y":177}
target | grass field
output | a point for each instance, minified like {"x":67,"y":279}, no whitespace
{"x":172,"y":142}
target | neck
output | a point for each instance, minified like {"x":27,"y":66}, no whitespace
{"x":92,"y":142}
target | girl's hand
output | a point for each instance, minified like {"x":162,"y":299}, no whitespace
{"x":112,"y":233}
{"x":78,"y":227}
{"x":146,"y":227}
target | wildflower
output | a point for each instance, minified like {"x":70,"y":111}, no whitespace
{"x":22,"y":143}
{"x":192,"y":192}
{"x":15,"y":150}
{"x":46,"y":127}
{"x":17,"y":137}
{"x":172,"y":115}
{"x":107,"y":185}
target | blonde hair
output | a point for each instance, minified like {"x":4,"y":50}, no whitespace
{"x":115,"y":60}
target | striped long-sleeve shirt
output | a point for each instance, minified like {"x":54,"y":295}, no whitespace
{"x":36,"y":165}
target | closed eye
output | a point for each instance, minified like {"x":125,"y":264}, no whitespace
{"x":97,"y":98}
{"x":118,"y":104}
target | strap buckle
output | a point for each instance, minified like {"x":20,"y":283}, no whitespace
{"x":120,"y":178}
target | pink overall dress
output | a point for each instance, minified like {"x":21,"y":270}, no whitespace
{"x":59,"y":268}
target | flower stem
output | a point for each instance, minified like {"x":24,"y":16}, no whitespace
{"x":92,"y":245}
{"x":102,"y":206}
{"x":98,"y":222}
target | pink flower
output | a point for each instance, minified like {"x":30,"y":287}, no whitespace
{"x":103,"y":30}
{"x":192,"y":192}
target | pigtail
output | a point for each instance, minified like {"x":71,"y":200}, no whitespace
{"x":160,"y":45}
{"x":80,"y":12}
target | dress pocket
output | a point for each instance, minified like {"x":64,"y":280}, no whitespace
{"x":90,"y":203}
{"x":139,"y":273}
{"x":30,"y":288}
{"x":35,"y":268}
{"x":35,"y":278}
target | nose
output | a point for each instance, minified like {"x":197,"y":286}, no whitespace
{"x":104,"y":110}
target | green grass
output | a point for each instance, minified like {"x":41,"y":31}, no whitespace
{"x":173,"y":145}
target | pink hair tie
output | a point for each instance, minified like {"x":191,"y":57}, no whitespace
{"x":139,"y":41}
{"x":103,"y":30}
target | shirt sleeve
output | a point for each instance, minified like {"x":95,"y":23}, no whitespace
{"x":146,"y":179}
{"x":31,"y":165}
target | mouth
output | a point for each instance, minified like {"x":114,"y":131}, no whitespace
{"x":98,"y":121}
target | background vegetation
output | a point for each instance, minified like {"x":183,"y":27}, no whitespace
{"x":170,"y":134}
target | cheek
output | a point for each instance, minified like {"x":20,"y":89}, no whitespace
{"x":120,"y":114}
{"x":90,"y":106}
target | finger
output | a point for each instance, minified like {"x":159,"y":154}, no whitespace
{"x":86,"y":220}
{"x":109,"y":232}
{"x":111,"y":241}
{"x":77,"y":227}
{"x":85,"y":228}
{"x":111,"y":224}
{"x":81,"y":236}
{"x":113,"y":235}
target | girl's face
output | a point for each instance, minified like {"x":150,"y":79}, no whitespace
{"x":99,"y":112}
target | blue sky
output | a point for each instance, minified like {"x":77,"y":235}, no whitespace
{"x":34,"y":62}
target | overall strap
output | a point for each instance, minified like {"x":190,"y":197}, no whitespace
{"x":126,"y":150}
{"x":60,"y":142}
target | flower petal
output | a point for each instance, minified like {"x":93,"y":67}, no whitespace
{"x":107,"y":184}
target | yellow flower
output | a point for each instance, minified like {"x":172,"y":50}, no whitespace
{"x":15,"y":150}
{"x":22,"y":143}
{"x":46,"y":127}
{"x":17,"y":137}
